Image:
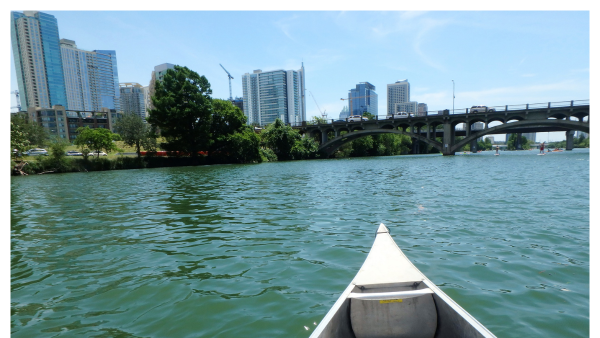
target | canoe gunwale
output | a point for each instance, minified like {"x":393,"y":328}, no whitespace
{"x":467,"y":324}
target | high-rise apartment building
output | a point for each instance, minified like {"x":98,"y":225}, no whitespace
{"x":36,"y":51}
{"x":91,"y":78}
{"x":274,"y":94}
{"x":363,"y":99}
{"x":398,"y":98}
{"x":157,"y":75}
{"x":133,"y":99}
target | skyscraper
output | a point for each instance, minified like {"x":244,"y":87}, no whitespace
{"x":157,"y":75}
{"x":91,"y":78}
{"x":344,"y":113}
{"x":363,"y":99}
{"x":133,"y":99}
{"x":274,"y":94}
{"x":398,"y":98}
{"x":36,"y":51}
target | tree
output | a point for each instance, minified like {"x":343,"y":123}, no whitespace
{"x":35,"y":134}
{"x":135,"y":132}
{"x":281,"y":139}
{"x":183,"y":110}
{"x":511,"y":144}
{"x":232,"y":139}
{"x":362,"y":146}
{"x":95,"y":139}
{"x":18,"y":139}
{"x":305,"y":148}
{"x":368,"y":115}
{"x":317,"y":120}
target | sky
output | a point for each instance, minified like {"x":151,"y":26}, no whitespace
{"x":495,"y":58}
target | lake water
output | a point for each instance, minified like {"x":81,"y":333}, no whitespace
{"x":265,"y":250}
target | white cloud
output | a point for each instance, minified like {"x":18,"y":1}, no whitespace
{"x":285,"y":25}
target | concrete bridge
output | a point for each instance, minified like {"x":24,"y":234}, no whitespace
{"x":567,"y":116}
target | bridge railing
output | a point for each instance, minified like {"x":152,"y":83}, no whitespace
{"x":505,"y":108}
{"x":516,"y":107}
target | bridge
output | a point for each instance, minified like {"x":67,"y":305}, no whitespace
{"x":567,"y":116}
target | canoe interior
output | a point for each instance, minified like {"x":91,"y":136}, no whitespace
{"x":424,"y":316}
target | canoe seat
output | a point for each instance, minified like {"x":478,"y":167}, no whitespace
{"x":399,"y":314}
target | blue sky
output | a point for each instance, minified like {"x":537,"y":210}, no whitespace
{"x":494,"y":57}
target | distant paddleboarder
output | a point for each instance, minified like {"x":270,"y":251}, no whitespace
{"x":497,"y":149}
{"x":542,"y":148}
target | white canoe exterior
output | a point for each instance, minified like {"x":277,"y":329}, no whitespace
{"x":390,"y":297}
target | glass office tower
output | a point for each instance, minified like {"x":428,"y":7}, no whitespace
{"x":36,"y":51}
{"x":363,"y":99}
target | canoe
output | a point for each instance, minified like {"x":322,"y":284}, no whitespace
{"x":390,"y":297}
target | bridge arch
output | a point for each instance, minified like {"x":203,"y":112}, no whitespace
{"x":332,"y":145}
{"x":501,"y":129}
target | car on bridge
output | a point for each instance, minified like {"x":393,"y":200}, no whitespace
{"x":356,"y":118}
{"x":399,"y":115}
{"x":482,"y":109}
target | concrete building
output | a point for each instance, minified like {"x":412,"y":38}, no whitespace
{"x":133,"y":99}
{"x":344,"y":113}
{"x":38,"y":66}
{"x":363,"y":99}
{"x":422,"y":109}
{"x":398,"y":98}
{"x":157,"y":75}
{"x":409,"y":107}
{"x":61,"y":122}
{"x":529,"y":136}
{"x":91,"y":78}
{"x":274,"y":94}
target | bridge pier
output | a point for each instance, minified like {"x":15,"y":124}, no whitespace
{"x":474,"y":146}
{"x":569,"y":134}
{"x":323,"y":137}
{"x":448,"y":139}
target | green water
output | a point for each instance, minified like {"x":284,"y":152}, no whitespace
{"x":265,"y":250}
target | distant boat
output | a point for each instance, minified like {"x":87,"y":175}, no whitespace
{"x":390,"y":297}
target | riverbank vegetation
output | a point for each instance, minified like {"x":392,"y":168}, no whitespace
{"x":194,"y":129}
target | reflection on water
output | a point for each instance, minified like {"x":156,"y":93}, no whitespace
{"x":265,"y":250}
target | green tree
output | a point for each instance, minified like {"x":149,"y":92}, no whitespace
{"x":18,"y":139}
{"x":305,"y":148}
{"x":57,"y":159}
{"x":183,"y":110}
{"x":99,"y":139}
{"x":368,"y":115}
{"x":281,"y":139}
{"x":363,"y":146}
{"x":35,"y":134}
{"x":512,"y":140}
{"x":232,"y":139}
{"x":318,"y":120}
{"x":135,"y":132}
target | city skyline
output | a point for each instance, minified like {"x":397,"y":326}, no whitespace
{"x":494,"y":58}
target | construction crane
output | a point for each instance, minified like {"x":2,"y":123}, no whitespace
{"x":323,"y":113}
{"x":230,"y":78}
{"x":358,"y":97}
{"x":18,"y":106}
